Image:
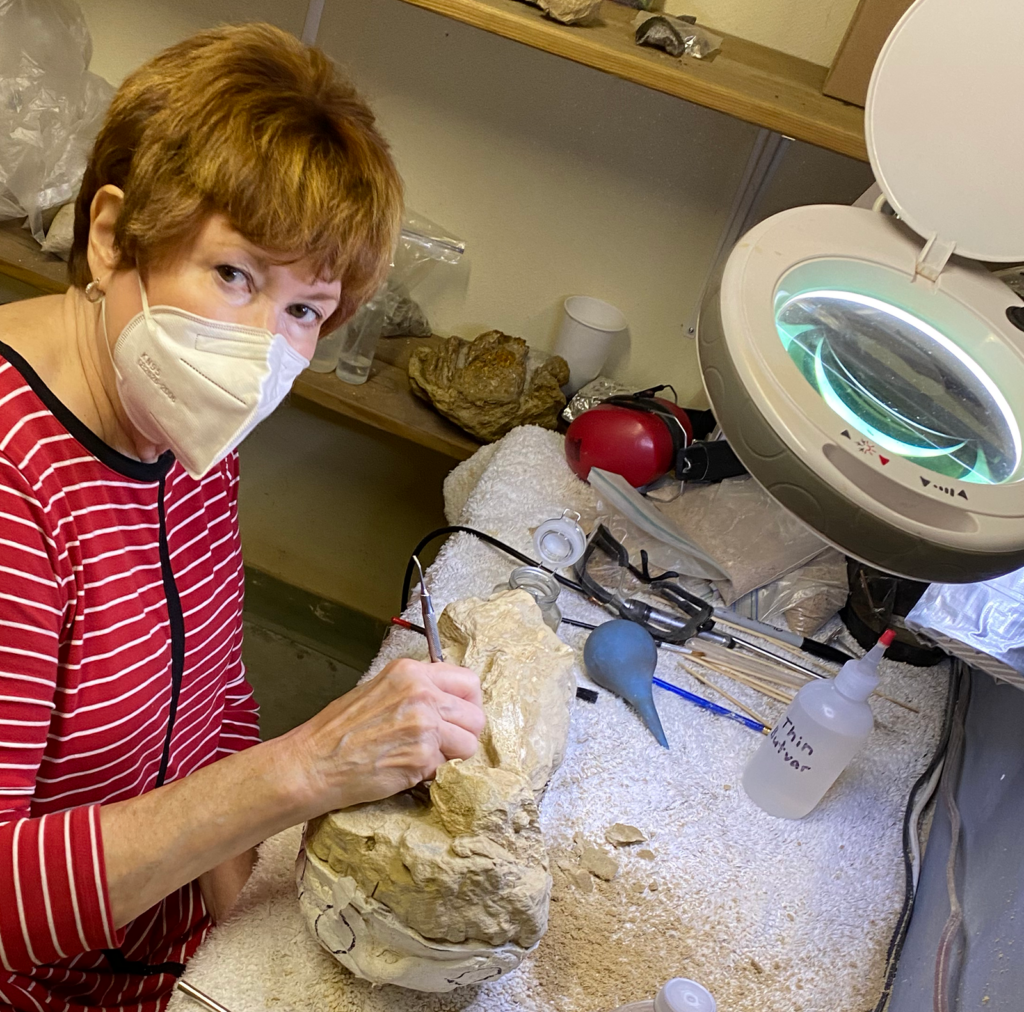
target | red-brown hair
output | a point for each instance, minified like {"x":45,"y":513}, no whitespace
{"x":248,"y":122}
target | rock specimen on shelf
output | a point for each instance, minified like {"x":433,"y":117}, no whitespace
{"x":490,"y":385}
{"x":569,"y":12}
{"x":434,"y":890}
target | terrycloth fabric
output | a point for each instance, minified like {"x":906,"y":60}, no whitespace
{"x":766,"y":913}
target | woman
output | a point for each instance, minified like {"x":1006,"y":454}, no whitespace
{"x":239,"y":200}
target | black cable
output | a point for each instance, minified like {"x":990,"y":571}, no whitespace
{"x":957,"y":677}
{"x":493,"y":542}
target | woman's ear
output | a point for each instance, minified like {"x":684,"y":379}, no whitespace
{"x":101,"y":252}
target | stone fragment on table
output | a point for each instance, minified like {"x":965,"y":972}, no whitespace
{"x":621,"y":835}
{"x":491,"y":385}
{"x":599,"y":863}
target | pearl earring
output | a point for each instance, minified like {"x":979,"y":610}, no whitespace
{"x":93,"y":292}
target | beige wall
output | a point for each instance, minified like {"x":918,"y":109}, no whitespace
{"x":810,"y":29}
{"x":561,"y":179}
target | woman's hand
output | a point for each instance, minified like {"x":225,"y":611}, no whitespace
{"x":389,"y":734}
{"x":380,"y":738}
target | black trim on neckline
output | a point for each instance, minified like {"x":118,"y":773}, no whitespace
{"x":136,"y":469}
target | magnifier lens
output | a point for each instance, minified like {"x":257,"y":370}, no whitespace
{"x":903,"y":383}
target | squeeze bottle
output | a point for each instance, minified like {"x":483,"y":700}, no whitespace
{"x":818,"y":735}
{"x":678,"y":995}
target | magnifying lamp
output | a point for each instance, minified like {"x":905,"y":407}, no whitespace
{"x":864,"y":369}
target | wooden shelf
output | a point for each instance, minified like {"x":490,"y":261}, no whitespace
{"x":745,"y":80}
{"x":22,"y":259}
{"x":384,"y":401}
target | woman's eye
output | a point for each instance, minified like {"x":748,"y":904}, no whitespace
{"x":232,"y":275}
{"x":305,"y":314}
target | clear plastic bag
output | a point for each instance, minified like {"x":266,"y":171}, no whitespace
{"x":421,"y":244}
{"x":803,"y":600}
{"x":981,"y":622}
{"x":731,"y":533}
{"x":51,"y":107}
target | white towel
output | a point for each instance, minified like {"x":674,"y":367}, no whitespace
{"x":768,"y":914}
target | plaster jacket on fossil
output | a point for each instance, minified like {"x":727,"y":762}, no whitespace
{"x":431,"y":892}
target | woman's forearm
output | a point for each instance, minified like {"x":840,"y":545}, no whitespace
{"x":156,"y":843}
{"x":222,"y":885}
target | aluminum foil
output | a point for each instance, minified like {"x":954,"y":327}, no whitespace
{"x":983,"y":623}
{"x":591,"y":394}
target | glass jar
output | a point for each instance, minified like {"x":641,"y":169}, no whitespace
{"x":543,"y":588}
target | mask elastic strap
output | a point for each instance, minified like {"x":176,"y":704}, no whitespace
{"x":106,"y":336}
{"x":103,"y":322}
{"x":145,"y":301}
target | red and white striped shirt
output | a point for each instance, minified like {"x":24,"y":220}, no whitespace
{"x":120,"y":669}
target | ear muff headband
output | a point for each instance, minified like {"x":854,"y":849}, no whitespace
{"x":680,"y":437}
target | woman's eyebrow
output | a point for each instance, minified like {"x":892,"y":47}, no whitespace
{"x":318,"y":297}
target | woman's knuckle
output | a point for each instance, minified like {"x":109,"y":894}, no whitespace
{"x":403,"y":669}
{"x":422,"y":722}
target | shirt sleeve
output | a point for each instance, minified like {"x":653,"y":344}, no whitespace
{"x":53,"y":891}
{"x":241,"y":726}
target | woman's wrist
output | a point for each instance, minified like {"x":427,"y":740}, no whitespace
{"x":296,"y":775}
{"x":283,"y":767}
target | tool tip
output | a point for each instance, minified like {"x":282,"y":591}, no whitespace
{"x":419,"y":568}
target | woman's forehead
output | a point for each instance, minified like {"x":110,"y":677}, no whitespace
{"x":217,"y":235}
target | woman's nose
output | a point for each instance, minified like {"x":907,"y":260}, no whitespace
{"x":262,"y":314}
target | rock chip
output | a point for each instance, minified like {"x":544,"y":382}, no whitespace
{"x":621,"y":835}
{"x":583,"y":882}
{"x":598,"y":863}
{"x":490,"y":385}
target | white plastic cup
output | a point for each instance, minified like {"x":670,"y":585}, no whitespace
{"x":589,"y":326}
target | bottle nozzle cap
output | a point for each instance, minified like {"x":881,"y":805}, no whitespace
{"x":887,"y":637}
{"x":683,"y":995}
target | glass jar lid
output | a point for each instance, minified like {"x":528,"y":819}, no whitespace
{"x":561,"y":542}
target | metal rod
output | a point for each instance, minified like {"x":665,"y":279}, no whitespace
{"x":784,"y":661}
{"x":765,"y":156}
{"x":198,"y":996}
{"x":311,"y":26}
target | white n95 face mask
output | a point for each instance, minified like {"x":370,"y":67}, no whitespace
{"x":198,"y":385}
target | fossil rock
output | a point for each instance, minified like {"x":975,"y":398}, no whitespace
{"x":490,"y":385}
{"x":433,"y":894}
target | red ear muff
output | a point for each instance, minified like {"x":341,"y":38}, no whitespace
{"x":636,"y":437}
